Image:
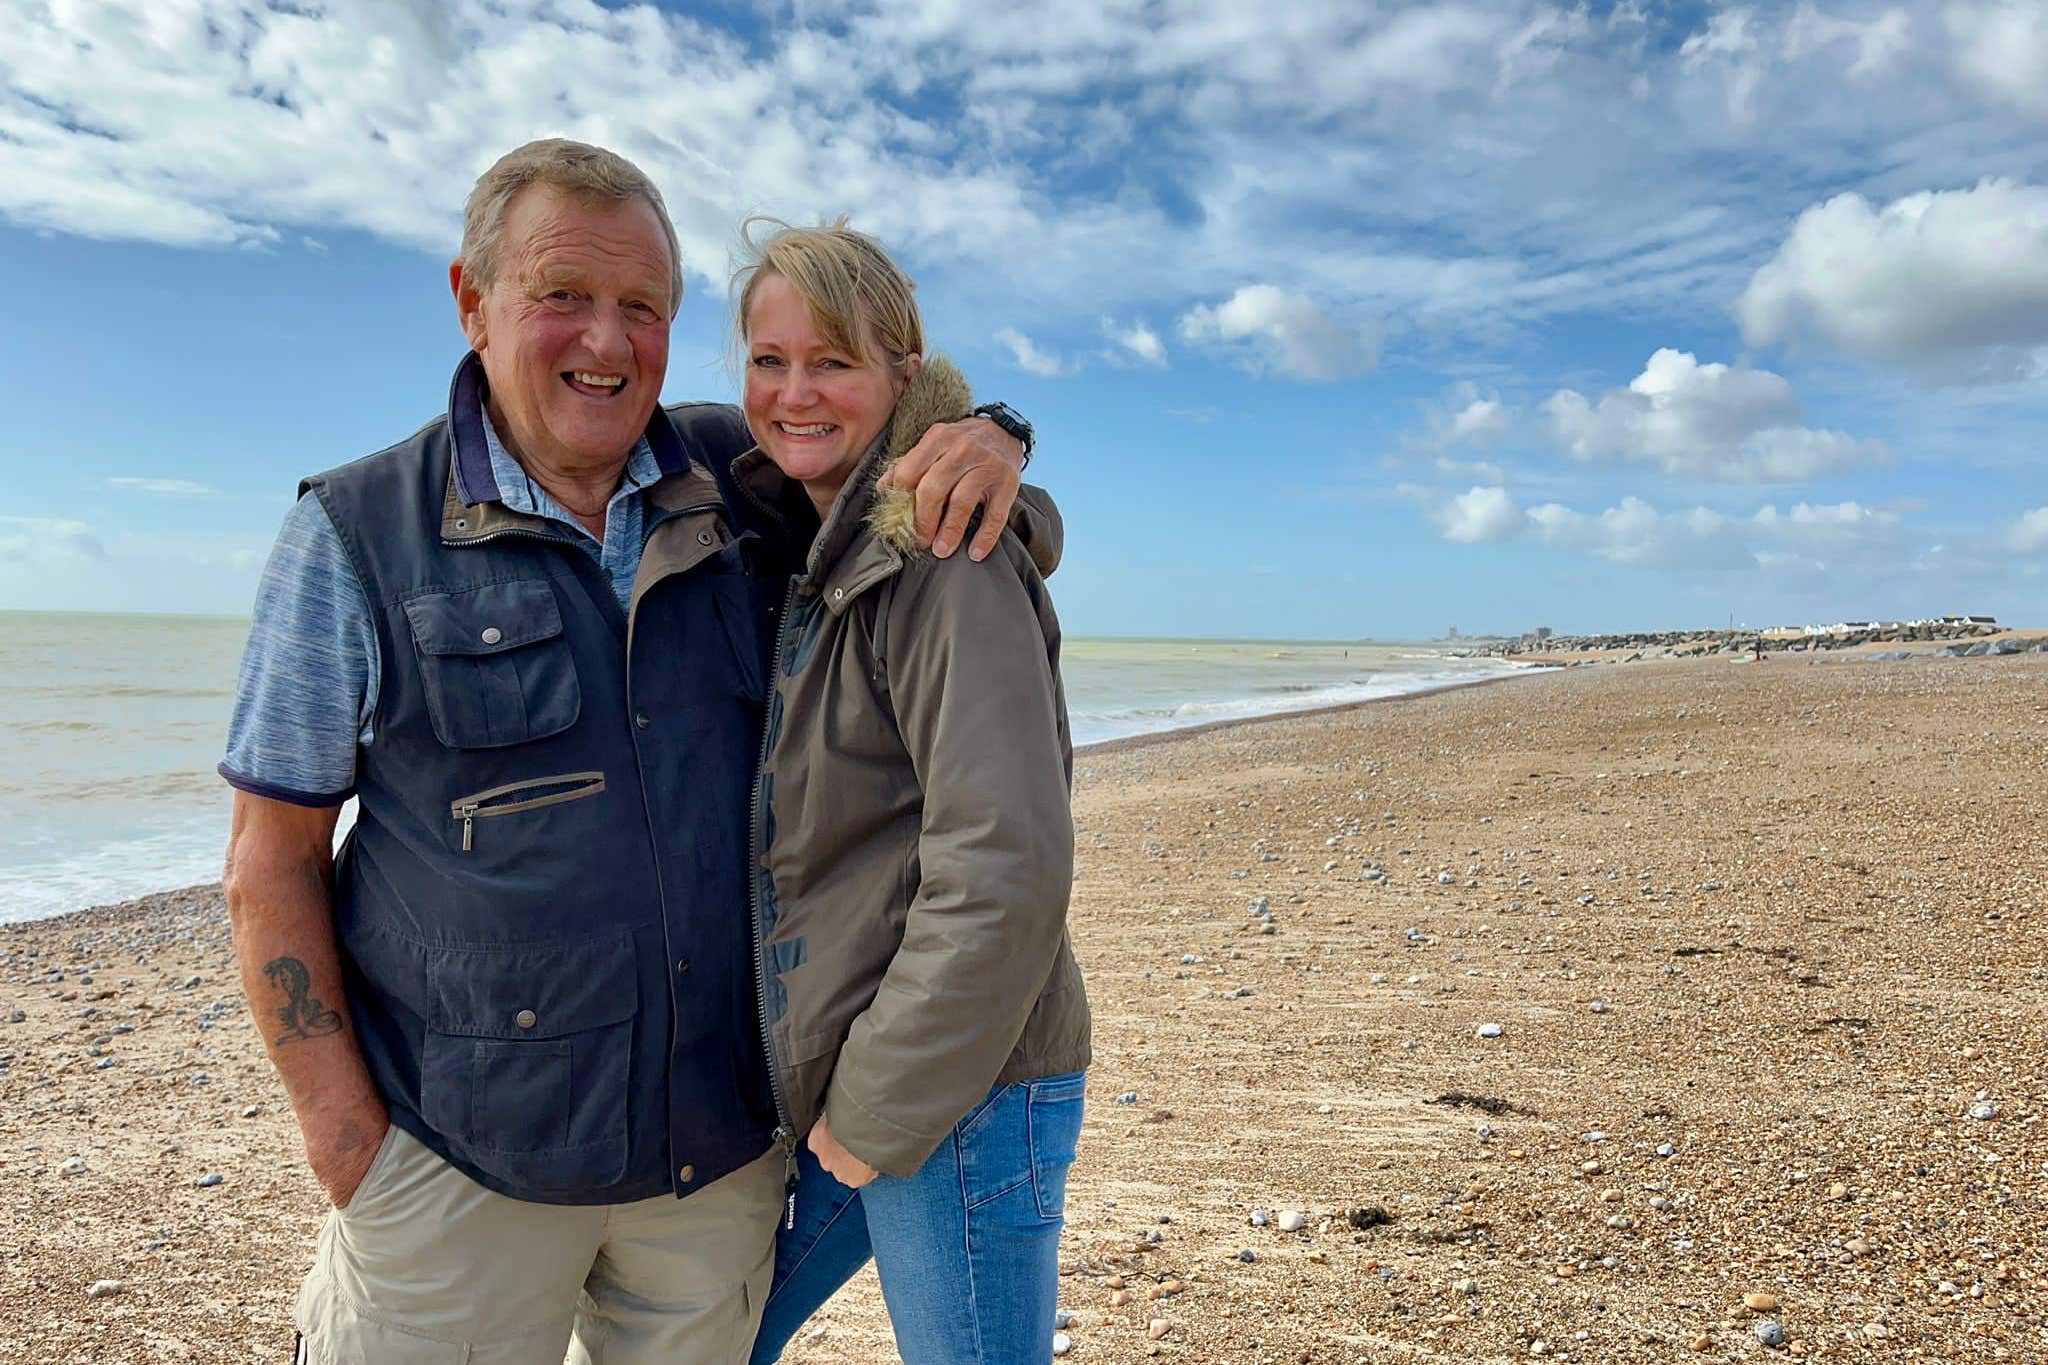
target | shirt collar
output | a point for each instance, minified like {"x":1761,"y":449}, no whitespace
{"x":477,"y":450}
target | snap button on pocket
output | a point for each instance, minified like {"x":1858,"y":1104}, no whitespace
{"x":838,"y":593}
{"x":525,"y":1019}
{"x":703,"y":537}
{"x":492,"y":635}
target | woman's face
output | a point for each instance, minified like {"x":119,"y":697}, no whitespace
{"x":812,"y":407}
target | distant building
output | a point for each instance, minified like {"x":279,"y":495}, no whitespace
{"x":1543,"y":632}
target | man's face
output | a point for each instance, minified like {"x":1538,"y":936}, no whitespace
{"x":574,"y":330}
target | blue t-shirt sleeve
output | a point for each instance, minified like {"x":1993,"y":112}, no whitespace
{"x":308,"y":686}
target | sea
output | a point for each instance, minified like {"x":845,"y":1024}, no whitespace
{"x":110,"y":727}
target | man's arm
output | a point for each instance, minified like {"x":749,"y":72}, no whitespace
{"x":279,"y":882}
{"x":954,"y":468}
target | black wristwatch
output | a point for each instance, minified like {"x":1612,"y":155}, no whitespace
{"x":1005,"y":416}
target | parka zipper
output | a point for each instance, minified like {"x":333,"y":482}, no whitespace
{"x":785,"y":1134}
{"x":510,"y":799}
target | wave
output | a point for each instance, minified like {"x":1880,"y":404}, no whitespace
{"x":132,"y":787}
{"x":1097,"y":725}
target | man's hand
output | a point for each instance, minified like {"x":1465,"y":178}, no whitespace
{"x":278,"y":878}
{"x":955,"y":468}
{"x":342,"y":1148}
{"x":842,"y":1165}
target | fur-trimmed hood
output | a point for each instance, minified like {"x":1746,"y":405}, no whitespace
{"x":872,"y":530}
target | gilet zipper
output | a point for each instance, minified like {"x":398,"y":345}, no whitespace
{"x":510,"y":799}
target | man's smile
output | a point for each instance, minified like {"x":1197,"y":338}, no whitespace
{"x":593,"y":384}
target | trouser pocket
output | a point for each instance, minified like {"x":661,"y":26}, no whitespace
{"x":1053,"y":1109}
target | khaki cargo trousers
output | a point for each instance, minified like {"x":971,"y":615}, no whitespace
{"x":427,"y":1267}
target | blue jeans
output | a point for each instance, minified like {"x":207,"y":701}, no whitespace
{"x":967,"y":1248}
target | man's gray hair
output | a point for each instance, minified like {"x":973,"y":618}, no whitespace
{"x":589,"y":173}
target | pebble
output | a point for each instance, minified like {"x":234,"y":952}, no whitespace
{"x":1261,"y":906}
{"x":1489,"y":1031}
{"x":1157,"y":1328}
{"x":1465,"y":1286}
{"x":104,"y":1289}
{"x":1666,"y":1149}
{"x":209,"y":1180}
{"x":1128,"y":1097}
{"x":1446,"y":878}
{"x":75,"y":1166}
{"x":1760,"y":1301}
{"x":1063,"y":1319}
{"x":1599,"y":1007}
{"x":1983,"y":1110}
{"x":18,"y":1017}
{"x":1061,"y":1343}
{"x":1260,"y":1218}
{"x":1293,"y":1221}
{"x":1189,"y":959}
{"x":251,"y":1111}
{"x":1247,"y":1255}
{"x":1769,"y":1333}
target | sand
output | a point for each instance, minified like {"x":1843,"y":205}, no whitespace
{"x":1784,"y":921}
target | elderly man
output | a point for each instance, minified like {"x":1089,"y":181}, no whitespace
{"x":517,"y":1015}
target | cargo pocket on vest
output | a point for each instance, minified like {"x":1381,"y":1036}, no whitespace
{"x":494,"y":664}
{"x":528,"y":1055}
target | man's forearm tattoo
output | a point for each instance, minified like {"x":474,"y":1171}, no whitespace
{"x":303,"y":1016}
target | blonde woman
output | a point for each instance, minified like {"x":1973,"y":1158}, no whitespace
{"x":926,"y":1022}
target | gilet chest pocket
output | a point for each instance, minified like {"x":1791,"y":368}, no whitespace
{"x":494,"y":665}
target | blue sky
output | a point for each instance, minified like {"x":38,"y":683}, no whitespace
{"x":1335,"y":319}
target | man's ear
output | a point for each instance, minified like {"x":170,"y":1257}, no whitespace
{"x":469,"y":305}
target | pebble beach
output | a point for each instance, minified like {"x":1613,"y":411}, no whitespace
{"x":1675,"y":1010}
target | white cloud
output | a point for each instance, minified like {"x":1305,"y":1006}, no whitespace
{"x":1027,"y":356}
{"x":166,"y":488}
{"x":1481,"y":516}
{"x":1708,"y":421}
{"x":1879,"y":42}
{"x":1634,"y":532}
{"x":1269,"y":328}
{"x":2029,"y":535}
{"x":1953,"y":284}
{"x":1151,"y":156}
{"x":1479,"y":421}
{"x":1137,"y":341}
{"x":48,"y":542}
{"x":2002,"y":45}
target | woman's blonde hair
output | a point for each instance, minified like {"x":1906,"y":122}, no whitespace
{"x":860,"y":300}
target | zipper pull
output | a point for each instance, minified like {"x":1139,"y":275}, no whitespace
{"x":468,"y":827}
{"x":786,"y":1137}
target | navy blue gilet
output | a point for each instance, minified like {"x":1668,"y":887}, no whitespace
{"x":542,"y":911}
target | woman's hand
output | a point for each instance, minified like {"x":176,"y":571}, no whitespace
{"x":842,"y":1165}
{"x":955,"y":468}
